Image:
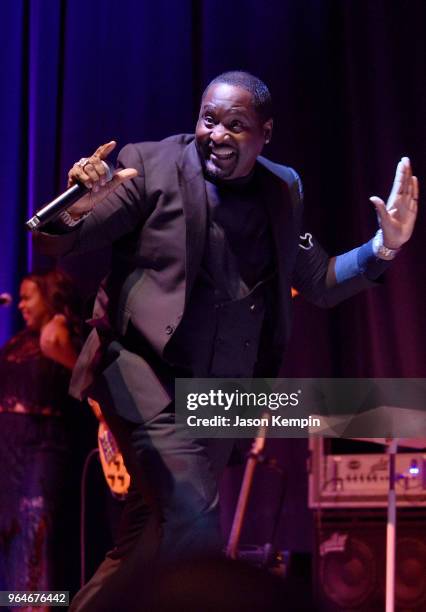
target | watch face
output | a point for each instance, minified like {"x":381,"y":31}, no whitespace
{"x":387,"y":253}
{"x":380,"y":250}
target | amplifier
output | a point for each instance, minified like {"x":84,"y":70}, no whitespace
{"x":361,"y":480}
{"x":350,"y":560}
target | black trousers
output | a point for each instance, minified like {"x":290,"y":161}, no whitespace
{"x":172,"y":510}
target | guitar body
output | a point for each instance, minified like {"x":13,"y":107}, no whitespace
{"x":112,"y":462}
{"x":116,"y":475}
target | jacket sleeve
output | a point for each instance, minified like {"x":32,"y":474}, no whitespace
{"x":358,"y":269}
{"x":117,"y":215}
{"x":310,"y":275}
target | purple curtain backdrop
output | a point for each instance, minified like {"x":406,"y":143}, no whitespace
{"x":348,"y":83}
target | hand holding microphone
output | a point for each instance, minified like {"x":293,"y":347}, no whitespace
{"x":90,"y":181}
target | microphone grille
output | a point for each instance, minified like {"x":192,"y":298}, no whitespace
{"x":5,"y":299}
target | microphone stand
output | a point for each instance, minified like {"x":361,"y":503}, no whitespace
{"x":392,"y":447}
{"x":255,"y":456}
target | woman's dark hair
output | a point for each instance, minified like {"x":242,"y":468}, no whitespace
{"x":60,"y":296}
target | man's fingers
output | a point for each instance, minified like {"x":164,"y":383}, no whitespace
{"x":415,"y":184}
{"x":400,"y":177}
{"x":93,"y":198}
{"x":406,"y":162}
{"x":97,"y":171}
{"x":380,"y":207}
{"x":78,"y":175}
{"x":406,"y":174}
{"x":90,"y":171}
{"x":118,"y":178}
{"x":414,"y":196}
{"x":93,"y":174}
{"x":104,"y":150}
{"x":95,"y":168}
{"x":123,"y":175}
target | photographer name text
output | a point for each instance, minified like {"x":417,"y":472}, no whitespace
{"x":274,"y":420}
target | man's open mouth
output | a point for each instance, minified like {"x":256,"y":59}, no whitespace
{"x":222,"y":154}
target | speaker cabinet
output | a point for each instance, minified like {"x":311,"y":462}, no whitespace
{"x":350,"y":561}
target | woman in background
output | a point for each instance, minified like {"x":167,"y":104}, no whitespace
{"x":35,"y":370}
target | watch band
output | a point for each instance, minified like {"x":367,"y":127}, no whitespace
{"x":380,"y":250}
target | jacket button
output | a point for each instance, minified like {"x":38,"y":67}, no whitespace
{"x":253,"y":307}
{"x":169,"y":329}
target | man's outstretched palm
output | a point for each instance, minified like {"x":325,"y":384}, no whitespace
{"x":398,"y":216}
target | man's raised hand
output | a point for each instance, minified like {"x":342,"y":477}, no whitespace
{"x":398,"y":216}
{"x":92,"y":173}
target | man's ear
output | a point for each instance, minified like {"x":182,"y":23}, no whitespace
{"x":267,"y":130}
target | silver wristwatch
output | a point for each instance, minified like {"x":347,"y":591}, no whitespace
{"x":380,"y":250}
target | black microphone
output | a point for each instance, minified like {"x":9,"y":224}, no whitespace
{"x":5,"y":299}
{"x":51,"y":210}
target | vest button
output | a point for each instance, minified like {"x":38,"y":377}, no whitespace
{"x":169,"y":329}
{"x":253,"y":307}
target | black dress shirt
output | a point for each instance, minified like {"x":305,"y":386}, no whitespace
{"x":220,"y":333}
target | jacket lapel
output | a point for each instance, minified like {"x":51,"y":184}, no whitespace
{"x":283,"y":222}
{"x":194,"y":202}
{"x":281,"y":215}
